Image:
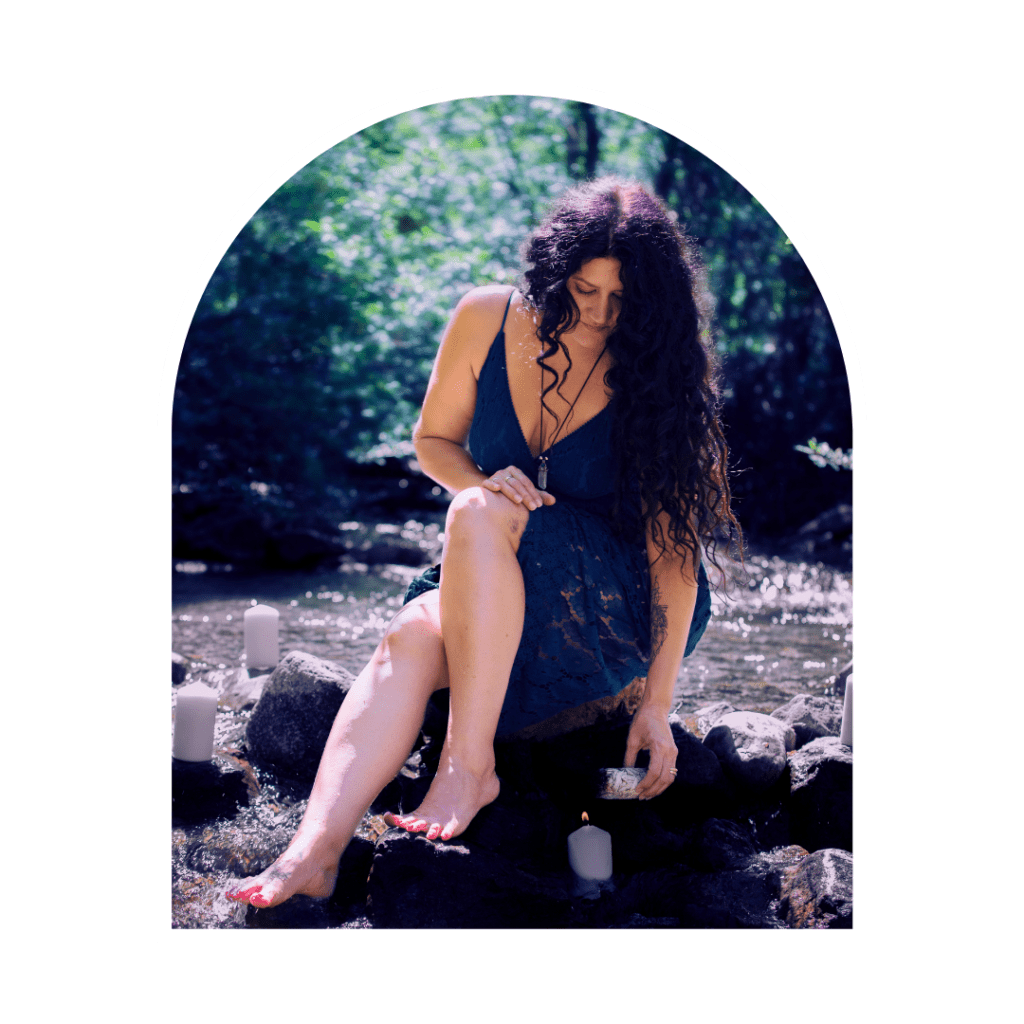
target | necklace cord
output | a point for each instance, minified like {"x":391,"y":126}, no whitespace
{"x":562,"y":425}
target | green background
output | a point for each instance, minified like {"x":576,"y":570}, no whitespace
{"x":134,"y":134}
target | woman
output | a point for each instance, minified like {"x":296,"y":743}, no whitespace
{"x":596,"y":471}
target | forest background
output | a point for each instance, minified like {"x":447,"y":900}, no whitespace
{"x":308,"y":355}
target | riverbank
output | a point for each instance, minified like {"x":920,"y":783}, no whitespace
{"x":781,"y":628}
{"x":786,"y":628}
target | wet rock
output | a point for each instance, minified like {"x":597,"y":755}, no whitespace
{"x":347,"y":901}
{"x":739,"y":898}
{"x":818,"y":892}
{"x":243,"y":690}
{"x":643,"y":837}
{"x":826,"y":538}
{"x":291,"y":722}
{"x":693,"y":857}
{"x":751,"y":747}
{"x":781,"y":862}
{"x":821,"y":805}
{"x":415,"y":883}
{"x":810,"y":717}
{"x":704,"y":719}
{"x":205,"y":790}
{"x":717,"y":845}
{"x":766,"y":813}
{"x":697,"y":766}
{"x":179,"y":668}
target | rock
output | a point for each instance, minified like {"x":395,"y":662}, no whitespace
{"x":739,"y":898}
{"x":415,"y":883}
{"x":766,"y":813}
{"x":781,"y":863}
{"x":837,"y":523}
{"x":717,"y":845}
{"x":243,"y":690}
{"x":179,"y":668}
{"x":818,"y":893}
{"x":644,"y":836}
{"x":810,"y":717}
{"x":704,"y":719}
{"x":302,"y":548}
{"x":751,"y":747}
{"x":821,"y":805}
{"x":204,"y":790}
{"x":291,"y":722}
{"x":347,"y":901}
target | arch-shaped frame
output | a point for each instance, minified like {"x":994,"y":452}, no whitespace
{"x":727,"y":162}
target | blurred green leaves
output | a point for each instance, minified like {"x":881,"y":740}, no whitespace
{"x":313,"y":342}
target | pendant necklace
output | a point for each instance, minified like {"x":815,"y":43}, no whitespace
{"x":542,"y":459}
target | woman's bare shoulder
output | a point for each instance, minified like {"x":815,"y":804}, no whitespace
{"x":484,"y":301}
{"x":476,"y":320}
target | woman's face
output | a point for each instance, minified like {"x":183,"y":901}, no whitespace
{"x":596,"y":288}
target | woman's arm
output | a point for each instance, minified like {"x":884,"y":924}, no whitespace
{"x":447,"y":412}
{"x":673,"y":598}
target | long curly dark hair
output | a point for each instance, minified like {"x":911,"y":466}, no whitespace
{"x":666,"y":434}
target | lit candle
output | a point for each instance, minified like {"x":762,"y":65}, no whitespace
{"x":846,"y":729}
{"x":194,"y":715}
{"x":590,"y":857}
{"x":261,"y":650}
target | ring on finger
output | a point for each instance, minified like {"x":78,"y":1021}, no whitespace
{"x":674,"y":771}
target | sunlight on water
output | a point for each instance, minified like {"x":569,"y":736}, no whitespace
{"x":786,"y":629}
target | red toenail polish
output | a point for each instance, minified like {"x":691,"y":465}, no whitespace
{"x":259,"y":901}
{"x":244,"y":894}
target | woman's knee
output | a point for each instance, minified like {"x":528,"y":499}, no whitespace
{"x":414,"y":637}
{"x":477,"y":510}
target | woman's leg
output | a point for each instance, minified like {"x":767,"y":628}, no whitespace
{"x":372,"y":735}
{"x":482,"y":605}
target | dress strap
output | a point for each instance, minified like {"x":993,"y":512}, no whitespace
{"x":507,"y":304}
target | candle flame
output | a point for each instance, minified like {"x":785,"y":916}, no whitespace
{"x":586,"y":818}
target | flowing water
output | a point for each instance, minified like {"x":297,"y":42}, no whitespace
{"x":785,"y":629}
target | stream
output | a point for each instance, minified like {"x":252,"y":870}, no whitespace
{"x":785,"y":629}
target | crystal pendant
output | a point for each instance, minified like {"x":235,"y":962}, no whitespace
{"x":542,"y":473}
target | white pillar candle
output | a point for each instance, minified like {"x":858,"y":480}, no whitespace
{"x":590,"y":853}
{"x":261,"y":650}
{"x":846,"y":729}
{"x":194,"y":715}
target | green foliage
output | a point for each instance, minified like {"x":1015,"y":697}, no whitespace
{"x":313,"y":342}
{"x":822,"y":454}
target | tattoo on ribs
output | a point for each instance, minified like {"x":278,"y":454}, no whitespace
{"x":659,"y":621}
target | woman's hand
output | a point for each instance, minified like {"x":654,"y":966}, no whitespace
{"x":515,"y":484}
{"x":650,"y":731}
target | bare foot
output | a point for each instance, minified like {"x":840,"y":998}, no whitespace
{"x":454,"y":797}
{"x":293,"y":873}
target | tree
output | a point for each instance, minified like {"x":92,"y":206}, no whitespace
{"x":313,"y":341}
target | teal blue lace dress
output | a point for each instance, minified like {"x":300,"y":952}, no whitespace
{"x":587,"y":627}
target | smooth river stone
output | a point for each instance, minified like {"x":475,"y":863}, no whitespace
{"x":810,"y":717}
{"x":819,"y":892}
{"x":293,"y":717}
{"x":751,"y":747}
{"x":704,"y":719}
